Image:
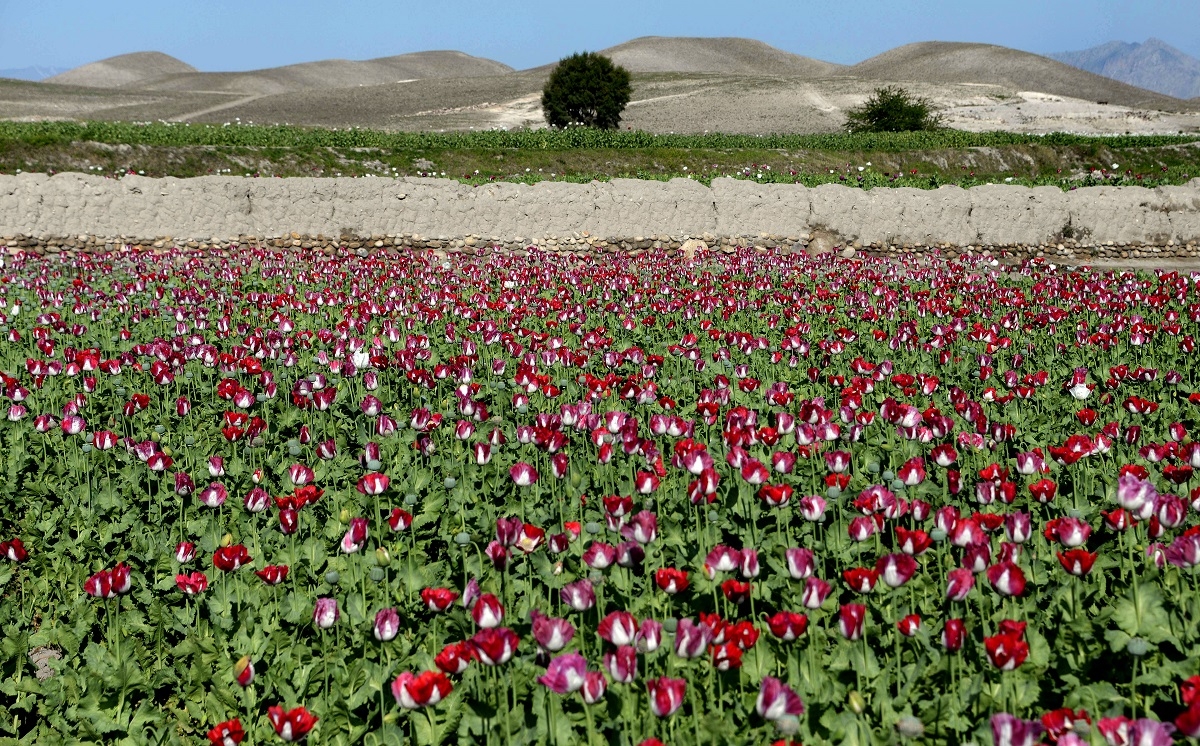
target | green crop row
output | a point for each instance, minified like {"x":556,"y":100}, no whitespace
{"x":164,"y":133}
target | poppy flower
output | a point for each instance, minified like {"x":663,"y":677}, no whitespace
{"x":671,"y":580}
{"x":1148,"y":732}
{"x":487,"y":612}
{"x":438,"y":599}
{"x":551,"y":633}
{"x":622,"y":664}
{"x":387,"y":624}
{"x":214,"y":495}
{"x":913,"y":542}
{"x":565,"y":674}
{"x":523,"y":475}
{"x":289,"y":521}
{"x":775,"y":495}
{"x":231,"y":558}
{"x":954,"y":634}
{"x":736,"y":591}
{"x":1058,"y":723}
{"x":291,"y":725}
{"x":300,"y":474}
{"x":399,"y":519}
{"x":896,"y":569}
{"x":529,"y":538}
{"x":594,"y":687}
{"x":777,"y":700}
{"x":861,"y":579}
{"x":726,"y":656}
{"x":228,"y":733}
{"x":1188,"y":721}
{"x":424,"y":689}
{"x":14,"y":550}
{"x":494,"y":647}
{"x":787,"y":625}
{"x":691,"y":639}
{"x":1007,"y":579}
{"x":355,"y":537}
{"x":666,"y":695}
{"x":1070,"y":532}
{"x":185,"y":552}
{"x":326,"y":612}
{"x":815,"y":592}
{"x":618,"y":627}
{"x":1006,"y":650}
{"x":1043,"y":490}
{"x":109,"y":583}
{"x":743,"y":634}
{"x":1077,"y":561}
{"x":454,"y":658}
{"x":1008,"y":730}
{"x":749,"y":566}
{"x":193,"y":584}
{"x":579,"y":595}
{"x":909,"y":625}
{"x":851,"y":620}
{"x":649,"y":636}
{"x":373,"y":483}
{"x":642,"y":527}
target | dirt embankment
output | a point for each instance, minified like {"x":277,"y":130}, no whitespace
{"x":436,"y":213}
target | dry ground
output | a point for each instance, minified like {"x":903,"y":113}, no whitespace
{"x":680,"y":85}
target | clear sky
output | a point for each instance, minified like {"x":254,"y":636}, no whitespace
{"x":218,"y":35}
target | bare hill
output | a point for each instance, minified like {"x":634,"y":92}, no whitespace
{"x":978,"y":87}
{"x":425,"y":104}
{"x":721,"y":55}
{"x":334,"y":74}
{"x":123,"y":70}
{"x":1153,"y":65}
{"x":959,"y":62}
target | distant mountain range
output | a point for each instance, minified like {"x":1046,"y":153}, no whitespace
{"x":37,"y":72}
{"x":1153,"y":65}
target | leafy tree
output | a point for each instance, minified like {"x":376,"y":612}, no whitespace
{"x":588,"y":90}
{"x":893,"y":109}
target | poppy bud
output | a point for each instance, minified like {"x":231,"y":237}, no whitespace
{"x":243,"y":671}
{"x":856,"y":702}
{"x":382,"y":557}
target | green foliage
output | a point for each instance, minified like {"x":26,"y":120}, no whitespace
{"x":923,"y":160}
{"x":893,"y":109}
{"x":588,"y":90}
{"x":166,"y":133}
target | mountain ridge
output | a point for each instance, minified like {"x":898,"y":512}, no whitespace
{"x":1152,"y":64}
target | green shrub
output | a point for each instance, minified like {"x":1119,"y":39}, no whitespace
{"x":893,"y":109}
{"x":588,"y":90}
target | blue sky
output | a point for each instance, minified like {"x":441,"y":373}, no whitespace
{"x":246,"y":34}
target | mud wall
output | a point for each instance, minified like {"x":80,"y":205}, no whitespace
{"x":38,"y":210}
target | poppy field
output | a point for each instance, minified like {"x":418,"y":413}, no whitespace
{"x":757,"y":498}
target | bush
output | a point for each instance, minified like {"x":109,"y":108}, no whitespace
{"x":588,"y":90}
{"x":893,"y":109}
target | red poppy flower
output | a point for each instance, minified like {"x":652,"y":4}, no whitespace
{"x":291,"y":725}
